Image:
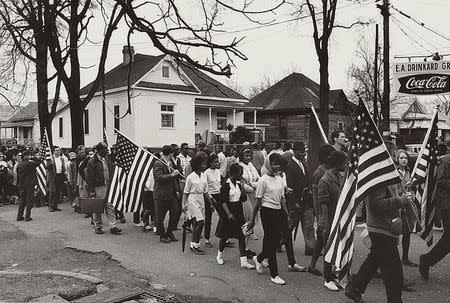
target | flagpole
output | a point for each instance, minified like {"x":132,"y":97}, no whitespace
{"x":153,"y":155}
{"x":318,"y":123}
{"x":422,"y":149}
{"x":50,"y":148}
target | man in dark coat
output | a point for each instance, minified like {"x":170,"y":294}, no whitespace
{"x":26,"y":180}
{"x":298,"y":181}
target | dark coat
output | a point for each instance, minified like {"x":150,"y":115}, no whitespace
{"x":443,"y":183}
{"x":165,"y":187}
{"x":51,"y":175}
{"x":330,"y":186}
{"x":26,"y":174}
{"x":300,"y":185}
{"x":94,"y":173}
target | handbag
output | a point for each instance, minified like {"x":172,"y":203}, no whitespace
{"x":92,"y":205}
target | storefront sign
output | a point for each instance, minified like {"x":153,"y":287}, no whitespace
{"x":422,"y":78}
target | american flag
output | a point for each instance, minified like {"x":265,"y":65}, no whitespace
{"x":133,"y":166}
{"x":370,"y":168}
{"x":424,"y":174}
{"x":105,"y":136}
{"x":41,"y":171}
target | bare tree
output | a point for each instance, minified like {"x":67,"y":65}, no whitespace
{"x":22,"y":24}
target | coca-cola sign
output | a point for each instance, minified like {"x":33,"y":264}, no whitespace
{"x":427,"y":84}
{"x":422,"y":78}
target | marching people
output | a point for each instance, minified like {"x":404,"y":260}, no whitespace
{"x":384,"y":225}
{"x":98,"y":172}
{"x":324,"y":151}
{"x":26,"y":177}
{"x":194,"y":196}
{"x":258,"y":157}
{"x":56,"y":174}
{"x":3,"y":179}
{"x":222,"y":162}
{"x":442,"y":247}
{"x":329,"y":190}
{"x":148,"y":204}
{"x":166,"y":193}
{"x":271,"y":204}
{"x":250,"y":179}
{"x":403,"y":163}
{"x":213,"y":176}
{"x":72,"y":177}
{"x":339,"y":140}
{"x":232,"y":196}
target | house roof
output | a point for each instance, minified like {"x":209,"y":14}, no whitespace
{"x":27,"y":112}
{"x":142,"y":64}
{"x":6,"y":111}
{"x":297,"y":92}
{"x":404,"y":105}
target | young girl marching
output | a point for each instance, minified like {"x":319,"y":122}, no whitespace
{"x":213,"y":178}
{"x":270,"y":198}
{"x":232,"y":196}
{"x":195,"y":193}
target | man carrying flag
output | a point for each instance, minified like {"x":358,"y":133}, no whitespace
{"x":437,"y":180}
{"x":372,"y":175}
{"x":41,"y":171}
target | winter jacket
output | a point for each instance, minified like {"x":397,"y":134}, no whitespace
{"x":95,"y":174}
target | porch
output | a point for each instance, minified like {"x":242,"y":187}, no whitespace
{"x":215,"y":120}
{"x":17,"y":133}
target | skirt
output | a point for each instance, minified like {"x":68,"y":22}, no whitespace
{"x":248,"y":206}
{"x":227,"y":228}
{"x":196,"y":207}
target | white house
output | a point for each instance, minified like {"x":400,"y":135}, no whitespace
{"x":23,"y":127}
{"x":169,"y":104}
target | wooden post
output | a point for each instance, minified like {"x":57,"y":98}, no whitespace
{"x":210,"y":120}
{"x":375,"y":89}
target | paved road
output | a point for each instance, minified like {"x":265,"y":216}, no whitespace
{"x":190,"y":274}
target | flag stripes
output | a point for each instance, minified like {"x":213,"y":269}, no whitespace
{"x":370,"y":168}
{"x":132,"y":170}
{"x":425,"y":175}
{"x":41,"y":172}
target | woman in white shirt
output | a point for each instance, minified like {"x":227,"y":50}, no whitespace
{"x":213,"y":178}
{"x":250,"y":179}
{"x":270,"y":198}
{"x":195,"y":193}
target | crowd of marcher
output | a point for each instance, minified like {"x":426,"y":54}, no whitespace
{"x":246,"y":187}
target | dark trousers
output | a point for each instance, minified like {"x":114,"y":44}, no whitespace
{"x":3,"y":186}
{"x":307,"y":223}
{"x":442,"y":247}
{"x":208,"y":216}
{"x":26,"y":201}
{"x":384,"y":255}
{"x":55,"y":197}
{"x":148,"y":207}
{"x":327,"y":268}
{"x":286,"y":236}
{"x":271,"y":220}
{"x":161,"y":209}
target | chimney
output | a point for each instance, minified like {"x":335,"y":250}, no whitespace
{"x":126,"y":54}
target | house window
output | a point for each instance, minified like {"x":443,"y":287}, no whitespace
{"x":165,"y":72}
{"x":25,"y":133}
{"x":167,"y":115}
{"x":222,"y":120}
{"x":61,"y":127}
{"x":86,"y":121}
{"x":116,"y":118}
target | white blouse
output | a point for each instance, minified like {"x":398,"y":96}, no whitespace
{"x":212,"y":177}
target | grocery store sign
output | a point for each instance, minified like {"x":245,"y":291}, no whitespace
{"x":422,"y":78}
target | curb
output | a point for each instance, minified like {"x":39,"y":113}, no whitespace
{"x":91,"y":279}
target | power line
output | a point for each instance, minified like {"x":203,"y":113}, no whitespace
{"x":399,"y":23}
{"x":395,"y":20}
{"x":420,"y":23}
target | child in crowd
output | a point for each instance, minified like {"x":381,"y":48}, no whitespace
{"x":232,"y":196}
{"x":213,"y":177}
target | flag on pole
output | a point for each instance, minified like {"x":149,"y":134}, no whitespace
{"x":370,"y":168}
{"x":105,"y":136}
{"x":424,"y":175}
{"x":133,"y":166}
{"x":41,"y":172}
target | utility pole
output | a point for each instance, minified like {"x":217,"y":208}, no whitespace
{"x":385,"y":106}
{"x":375,"y":81}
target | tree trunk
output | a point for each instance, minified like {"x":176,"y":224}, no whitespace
{"x":45,"y":120}
{"x":76,"y":119}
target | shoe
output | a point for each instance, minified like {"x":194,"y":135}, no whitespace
{"x":259,"y":267}
{"x":424,"y":268}
{"x":87,"y":216}
{"x":197,"y":250}
{"x":219,"y":260}
{"x":245,"y":264}
{"x":164,"y":240}
{"x":265,"y":263}
{"x":19,"y":218}
{"x":123,"y":220}
{"x":99,"y":231}
{"x":297,"y":268}
{"x":171,"y":237}
{"x":410,"y":263}
{"x":208,"y":243}
{"x":51,"y":209}
{"x":115,"y":231}
{"x":352,"y":293}
{"x":278,"y":280}
{"x":250,"y":254}
{"x":154,"y":229}
{"x":331,"y":286}
{"x":230,"y":244}
{"x":314,"y":271}
{"x":138,"y":224}
{"x":28,"y":219}
{"x":253,"y":237}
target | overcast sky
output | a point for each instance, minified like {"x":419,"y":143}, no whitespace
{"x":274,"y":50}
